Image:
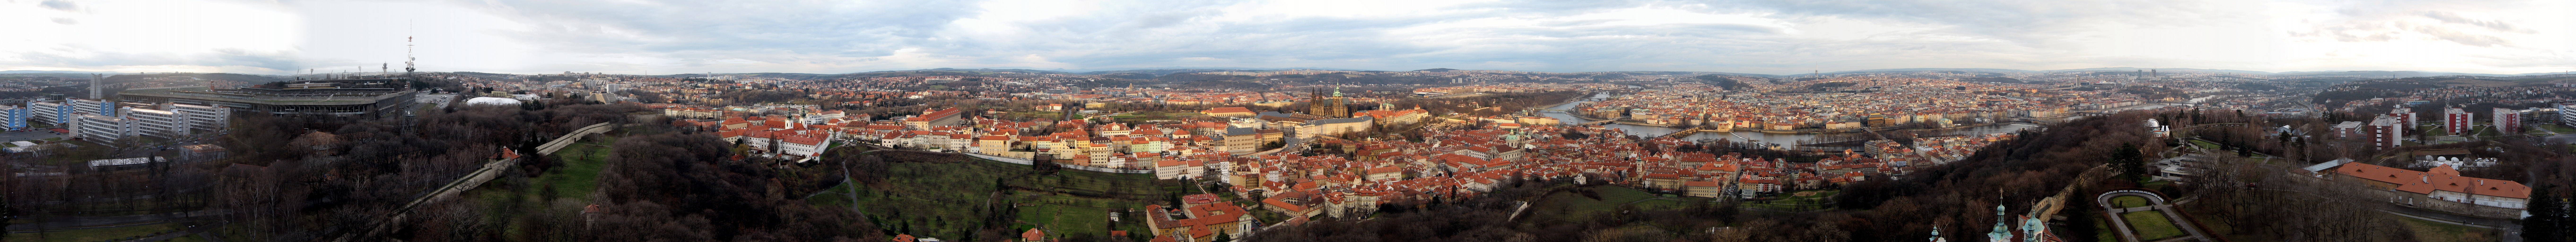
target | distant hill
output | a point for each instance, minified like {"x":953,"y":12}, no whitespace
{"x":1985,"y":70}
{"x":2160,"y":68}
{"x":1437,"y":70}
{"x":979,"y":70}
{"x":796,"y":76}
{"x":2382,"y":73}
{"x":1159,"y":72}
{"x":1169,"y":71}
{"x":33,"y":71}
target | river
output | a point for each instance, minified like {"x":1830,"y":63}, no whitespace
{"x":1789,"y":141}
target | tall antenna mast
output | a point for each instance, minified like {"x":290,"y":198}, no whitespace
{"x":407,"y":57}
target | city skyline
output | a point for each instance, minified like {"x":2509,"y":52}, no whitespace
{"x":1790,"y":37}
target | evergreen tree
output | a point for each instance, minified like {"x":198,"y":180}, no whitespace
{"x":2549,"y":218}
{"x":2128,"y":161}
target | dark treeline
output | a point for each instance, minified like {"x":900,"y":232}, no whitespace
{"x":302,"y":179}
{"x":689,"y":187}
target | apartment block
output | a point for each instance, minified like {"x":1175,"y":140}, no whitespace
{"x":102,"y":128}
{"x":2565,"y":117}
{"x":94,"y":107}
{"x":2507,"y":121}
{"x":157,"y":123}
{"x":2387,"y":132}
{"x":14,"y":118}
{"x":50,"y":113}
{"x":203,"y":118}
{"x":2456,"y":121}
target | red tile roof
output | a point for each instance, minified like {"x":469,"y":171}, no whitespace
{"x":2427,"y":182}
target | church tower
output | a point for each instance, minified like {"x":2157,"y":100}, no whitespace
{"x":1337,"y":106}
{"x":2002,"y":232}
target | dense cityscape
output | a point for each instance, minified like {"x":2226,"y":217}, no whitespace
{"x":1289,"y":121}
{"x":1245,"y":152}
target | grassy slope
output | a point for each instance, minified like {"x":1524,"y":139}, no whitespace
{"x":2128,"y":201}
{"x":2151,"y":225}
{"x":2442,"y":232}
{"x":580,"y":172}
{"x":951,"y":200}
{"x":117,"y":233}
{"x":1576,"y":207}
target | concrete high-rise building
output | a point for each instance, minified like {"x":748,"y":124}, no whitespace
{"x":56,"y":114}
{"x":102,"y":128}
{"x":2387,"y":132}
{"x":157,"y":123}
{"x":613,"y":88}
{"x":92,"y":106}
{"x":2565,"y":117}
{"x":14,"y":118}
{"x":2404,"y":116}
{"x":202,"y":118}
{"x":2506,"y":121}
{"x":2456,"y":120}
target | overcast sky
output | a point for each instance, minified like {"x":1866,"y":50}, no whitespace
{"x":1755,"y":36}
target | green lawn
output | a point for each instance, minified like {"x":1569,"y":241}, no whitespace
{"x":1572,"y":205}
{"x":2128,"y":201}
{"x":2431,"y":231}
{"x":580,"y":173}
{"x":953,"y":199}
{"x":1066,"y":220}
{"x":2557,"y":128}
{"x":2102,"y":229}
{"x":2203,"y":144}
{"x":2151,"y":225}
{"x":106,"y":234}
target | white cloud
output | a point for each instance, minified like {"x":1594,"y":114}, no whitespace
{"x":1782,"y":36}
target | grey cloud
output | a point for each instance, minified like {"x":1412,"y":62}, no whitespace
{"x":221,"y":58}
{"x":857,"y":36}
{"x":59,"y":5}
{"x":2448,"y":17}
{"x":2463,"y":38}
{"x":66,"y":21}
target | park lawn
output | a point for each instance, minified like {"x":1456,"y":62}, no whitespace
{"x":1068,"y":220}
{"x":1572,"y":205}
{"x":2151,"y":225}
{"x":189,"y":238}
{"x":580,"y":173}
{"x":1669,"y":203}
{"x":1623,"y":194}
{"x":2557,"y":128}
{"x":940,"y":200}
{"x":2102,"y":230}
{"x":105,"y":234}
{"x":1820,"y":193}
{"x":2203,"y":145}
{"x":2431,"y":231}
{"x":2128,"y":201}
{"x":952,"y":199}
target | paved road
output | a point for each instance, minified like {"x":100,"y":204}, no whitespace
{"x":7,"y":136}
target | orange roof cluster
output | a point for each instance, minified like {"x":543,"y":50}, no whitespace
{"x":2442,"y":179}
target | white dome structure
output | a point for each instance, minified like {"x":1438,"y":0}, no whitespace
{"x":492,"y":101}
